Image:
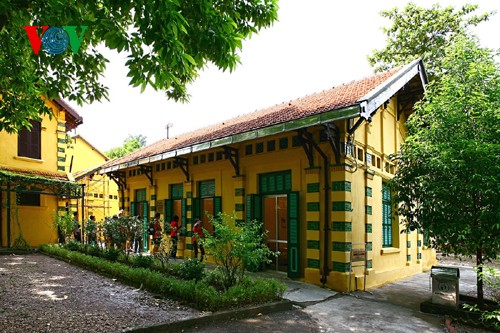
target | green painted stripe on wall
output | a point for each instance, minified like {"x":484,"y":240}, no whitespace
{"x":312,"y":225}
{"x":342,"y":267}
{"x":341,"y":186}
{"x":341,"y":246}
{"x":313,"y":206}
{"x":341,"y":226}
{"x":313,"y":263}
{"x":313,"y":244}
{"x":313,"y":188}
{"x":342,"y":206}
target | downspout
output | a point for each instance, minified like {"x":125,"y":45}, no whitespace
{"x":326,"y":166}
{"x":8,"y":212}
{"x":1,"y":218}
{"x":122,"y":190}
{"x":83,"y":214}
{"x":326,"y":225}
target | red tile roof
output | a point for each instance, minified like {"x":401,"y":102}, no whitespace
{"x":29,"y":172}
{"x":332,"y":99}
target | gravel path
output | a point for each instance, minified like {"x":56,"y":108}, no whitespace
{"x":42,"y":294}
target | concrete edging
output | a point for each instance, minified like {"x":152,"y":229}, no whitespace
{"x":247,"y":312}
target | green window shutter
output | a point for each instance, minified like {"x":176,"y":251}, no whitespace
{"x":176,"y":191}
{"x":207,"y":188}
{"x":196,"y":209}
{"x":386,"y":216}
{"x":133,"y":209}
{"x":168,"y":214}
{"x":183,"y":212}
{"x":275,"y":182}
{"x":253,"y":208}
{"x":217,"y":205}
{"x":145,"y":217}
{"x":140,"y":195}
{"x":248,"y":208}
{"x":293,"y":235}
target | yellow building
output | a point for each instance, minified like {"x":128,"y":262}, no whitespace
{"x":84,"y":160}
{"x":314,"y":170}
{"x":33,"y":178}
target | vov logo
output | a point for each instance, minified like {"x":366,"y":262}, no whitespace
{"x":55,"y":40}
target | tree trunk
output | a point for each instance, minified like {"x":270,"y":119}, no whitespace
{"x":479,"y":262}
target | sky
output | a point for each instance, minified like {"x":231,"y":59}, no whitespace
{"x":315,"y":45}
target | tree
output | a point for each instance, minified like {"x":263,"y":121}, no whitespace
{"x":423,"y":32}
{"x":448,"y":178}
{"x":166,"y":42}
{"x":131,"y":143}
{"x":236,"y":248}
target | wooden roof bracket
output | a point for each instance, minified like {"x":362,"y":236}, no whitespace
{"x":306,"y":140}
{"x":232,"y":154}
{"x":119,"y":177}
{"x":148,"y":171}
{"x":333,"y":134}
{"x":182,"y":163}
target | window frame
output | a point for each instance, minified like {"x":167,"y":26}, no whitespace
{"x":29,"y":142}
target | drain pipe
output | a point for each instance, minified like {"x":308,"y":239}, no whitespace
{"x":326,"y":166}
{"x":326,"y":177}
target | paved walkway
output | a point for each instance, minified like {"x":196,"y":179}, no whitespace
{"x":391,"y":308}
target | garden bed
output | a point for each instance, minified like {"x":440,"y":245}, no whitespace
{"x":202,"y":294}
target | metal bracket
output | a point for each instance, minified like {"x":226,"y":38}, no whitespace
{"x":307,"y":143}
{"x":148,"y":171}
{"x":233,"y":156}
{"x":333,"y":134}
{"x":182,"y":163}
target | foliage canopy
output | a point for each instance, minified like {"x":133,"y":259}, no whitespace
{"x":448,"y":177}
{"x":423,"y":32}
{"x":131,"y":143}
{"x":166,"y":43}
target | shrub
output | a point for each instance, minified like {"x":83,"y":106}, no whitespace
{"x":73,"y":246}
{"x":94,"y":250}
{"x":214,"y":279}
{"x":236,"y":248}
{"x":491,"y":277}
{"x":143,"y":261}
{"x":192,"y":269}
{"x":64,"y":225}
{"x":112,"y":254}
